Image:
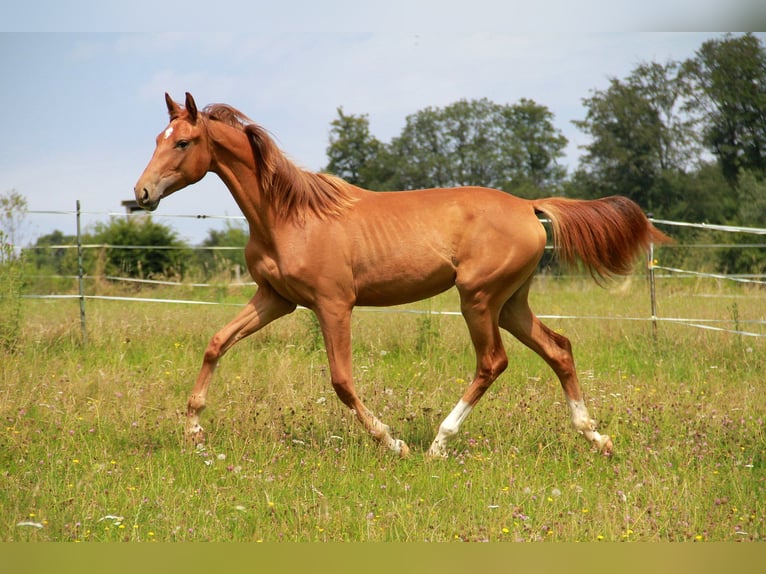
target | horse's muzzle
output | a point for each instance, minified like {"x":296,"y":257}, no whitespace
{"x":144,"y":199}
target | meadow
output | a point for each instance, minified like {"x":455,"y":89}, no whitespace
{"x":92,"y":446}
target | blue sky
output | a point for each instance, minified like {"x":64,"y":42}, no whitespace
{"x":81,"y":110}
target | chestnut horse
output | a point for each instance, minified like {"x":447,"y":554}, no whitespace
{"x":320,"y":242}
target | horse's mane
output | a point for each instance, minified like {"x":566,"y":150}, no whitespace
{"x":292,"y":191}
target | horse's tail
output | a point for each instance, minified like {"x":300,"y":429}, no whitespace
{"x":606,"y":235}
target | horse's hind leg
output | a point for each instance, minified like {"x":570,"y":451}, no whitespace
{"x":518,"y":319}
{"x":491,"y":361}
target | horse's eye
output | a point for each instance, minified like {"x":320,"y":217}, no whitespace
{"x":182,"y":144}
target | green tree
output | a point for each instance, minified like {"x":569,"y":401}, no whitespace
{"x":143,"y":248}
{"x":751,"y":193}
{"x":532,"y":146}
{"x":57,"y":260}
{"x":355,"y":155}
{"x":640,"y":138}
{"x":13,"y":211}
{"x":232,"y":235}
{"x":478,"y":142}
{"x":13,"y":208}
{"x":728,"y":81}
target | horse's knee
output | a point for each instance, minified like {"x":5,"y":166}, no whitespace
{"x":213,"y":351}
{"x":492,"y":365}
{"x":196,"y":404}
{"x":561,"y":357}
{"x":345,"y":391}
{"x":501,"y":365}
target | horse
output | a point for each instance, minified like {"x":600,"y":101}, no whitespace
{"x":327,"y":245}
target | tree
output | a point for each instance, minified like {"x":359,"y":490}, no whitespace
{"x":728,"y":80}
{"x":60,"y":261}
{"x":534,"y":146}
{"x":479,"y":142}
{"x":137,"y":258}
{"x":639,"y":137}
{"x":233,"y":235}
{"x":355,"y":154}
{"x":751,"y":192}
{"x":13,"y":208}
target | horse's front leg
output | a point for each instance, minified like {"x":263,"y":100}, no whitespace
{"x":265,"y":306}
{"x":336,"y":328}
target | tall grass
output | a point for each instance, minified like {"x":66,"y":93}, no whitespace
{"x":92,"y":448}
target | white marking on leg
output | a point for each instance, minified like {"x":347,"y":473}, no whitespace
{"x":449,"y":428}
{"x":382,"y":433}
{"x":587,"y":426}
{"x":580,"y":418}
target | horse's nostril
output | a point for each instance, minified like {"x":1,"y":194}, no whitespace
{"x":145,"y":195}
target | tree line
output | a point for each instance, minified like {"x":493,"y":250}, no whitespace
{"x":683,"y":139}
{"x":686,"y":140}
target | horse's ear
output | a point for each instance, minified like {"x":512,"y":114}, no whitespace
{"x":191,"y":107}
{"x":174,"y":110}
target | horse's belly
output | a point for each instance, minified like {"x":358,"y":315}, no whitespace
{"x":402,"y":282}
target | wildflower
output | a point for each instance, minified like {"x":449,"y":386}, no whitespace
{"x":600,"y":537}
{"x":505,"y":530}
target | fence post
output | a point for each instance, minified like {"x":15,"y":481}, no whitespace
{"x":80,"y":280}
{"x":652,"y":293}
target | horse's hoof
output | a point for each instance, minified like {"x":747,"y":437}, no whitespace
{"x":436,"y":452}
{"x":196,"y":435}
{"x":606,"y":446}
{"x":403,"y":449}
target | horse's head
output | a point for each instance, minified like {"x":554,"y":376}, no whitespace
{"x":182,"y":156}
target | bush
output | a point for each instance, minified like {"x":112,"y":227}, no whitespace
{"x":124,"y":259}
{"x":11,"y":280}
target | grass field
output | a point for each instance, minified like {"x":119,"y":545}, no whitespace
{"x":92,"y":449}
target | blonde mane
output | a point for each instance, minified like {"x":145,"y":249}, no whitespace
{"x":292,"y":192}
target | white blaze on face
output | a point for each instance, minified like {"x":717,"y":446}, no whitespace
{"x":168,"y":133}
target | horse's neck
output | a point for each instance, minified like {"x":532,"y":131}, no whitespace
{"x":235,"y":165}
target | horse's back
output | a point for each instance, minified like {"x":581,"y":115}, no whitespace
{"x":418,"y":243}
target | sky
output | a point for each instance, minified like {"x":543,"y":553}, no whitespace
{"x":83,"y":96}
